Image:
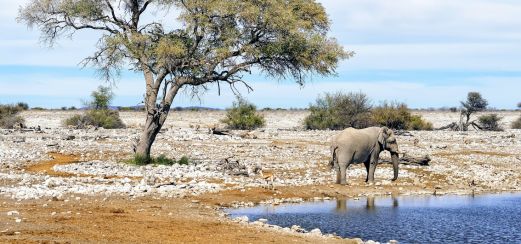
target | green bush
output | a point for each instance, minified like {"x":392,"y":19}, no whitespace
{"x":490,"y":122}
{"x":339,"y":111}
{"x":107,"y":119}
{"x":101,"y":98}
{"x":22,"y":106}
{"x":394,"y":115}
{"x":418,"y":123}
{"x":517,"y":124}
{"x":243,"y":116}
{"x":9,"y":117}
{"x":160,"y":160}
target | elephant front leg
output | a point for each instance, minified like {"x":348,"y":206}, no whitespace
{"x":338,"y":176}
{"x":370,"y":172}
{"x":343,"y":171}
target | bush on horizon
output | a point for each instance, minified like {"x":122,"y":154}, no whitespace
{"x":100,"y":116}
{"x":243,"y":116}
{"x":490,"y":122}
{"x":338,"y":111}
{"x":9,"y":117}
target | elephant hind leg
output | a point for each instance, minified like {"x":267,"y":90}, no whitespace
{"x":344,"y":160}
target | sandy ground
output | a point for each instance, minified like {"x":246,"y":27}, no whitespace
{"x":462,"y":163}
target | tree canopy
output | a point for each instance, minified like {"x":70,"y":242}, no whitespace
{"x":200,"y":42}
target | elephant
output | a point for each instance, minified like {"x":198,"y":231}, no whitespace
{"x":354,"y":146}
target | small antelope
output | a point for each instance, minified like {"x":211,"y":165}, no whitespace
{"x":268,"y":177}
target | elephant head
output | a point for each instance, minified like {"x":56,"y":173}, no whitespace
{"x":387,"y":141}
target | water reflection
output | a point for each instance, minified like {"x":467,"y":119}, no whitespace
{"x":370,"y":206}
{"x":408,"y":219}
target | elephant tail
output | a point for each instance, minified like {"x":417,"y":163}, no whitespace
{"x":334,"y":159}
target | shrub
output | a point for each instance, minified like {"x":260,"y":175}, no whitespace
{"x":394,"y":115}
{"x":453,"y":109}
{"x":418,"y":123}
{"x":101,"y":116}
{"x":160,"y":160}
{"x":9,"y":118}
{"x":107,"y":119}
{"x":519,"y":105}
{"x":517,"y":124}
{"x":243,"y":116}
{"x":38,"y":108}
{"x":490,"y":122}
{"x":22,"y":106}
{"x":101,"y":98}
{"x":339,"y":111}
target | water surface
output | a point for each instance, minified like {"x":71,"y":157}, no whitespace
{"x":494,"y":218}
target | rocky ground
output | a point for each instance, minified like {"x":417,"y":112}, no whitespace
{"x":73,"y":172}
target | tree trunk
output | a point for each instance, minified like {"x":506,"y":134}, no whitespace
{"x":153,"y":125}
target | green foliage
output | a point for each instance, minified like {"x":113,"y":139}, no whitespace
{"x":107,"y":119}
{"x":243,"y":116}
{"x":22,"y":106}
{"x":418,"y":123}
{"x":475,"y":103}
{"x":394,"y":115}
{"x":140,"y":160}
{"x":453,"y":109}
{"x":38,"y":109}
{"x":490,"y":122}
{"x":9,"y":118}
{"x":100,"y":116}
{"x":101,"y":98}
{"x":516,"y":124}
{"x":213,"y":42}
{"x":338,"y":111}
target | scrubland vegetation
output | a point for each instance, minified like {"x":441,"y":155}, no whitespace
{"x":9,"y":117}
{"x":99,"y":114}
{"x":243,"y":116}
{"x":338,"y":111}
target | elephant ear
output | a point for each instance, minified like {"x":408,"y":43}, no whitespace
{"x":383,"y":135}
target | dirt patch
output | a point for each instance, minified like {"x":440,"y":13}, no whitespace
{"x":123,"y":220}
{"x":46,"y":167}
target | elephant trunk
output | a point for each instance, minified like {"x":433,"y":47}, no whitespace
{"x":396,"y":161}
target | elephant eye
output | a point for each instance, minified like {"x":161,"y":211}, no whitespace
{"x":391,"y":140}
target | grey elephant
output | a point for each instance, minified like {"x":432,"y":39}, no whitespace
{"x":354,"y":146}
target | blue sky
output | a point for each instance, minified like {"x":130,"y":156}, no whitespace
{"x":427,"y":53}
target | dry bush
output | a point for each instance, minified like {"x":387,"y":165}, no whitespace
{"x":243,"y":116}
{"x":9,"y":117}
{"x":490,"y":122}
{"x":517,"y":124}
{"x":394,"y":115}
{"x":339,"y":111}
{"x":418,"y":123}
{"x":107,"y":119}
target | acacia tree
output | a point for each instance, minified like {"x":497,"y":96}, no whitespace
{"x":475,"y":103}
{"x":213,"y":42}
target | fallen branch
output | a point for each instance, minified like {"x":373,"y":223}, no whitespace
{"x":220,"y":131}
{"x":409,"y":160}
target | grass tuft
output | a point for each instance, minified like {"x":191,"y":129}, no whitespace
{"x":141,"y":160}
